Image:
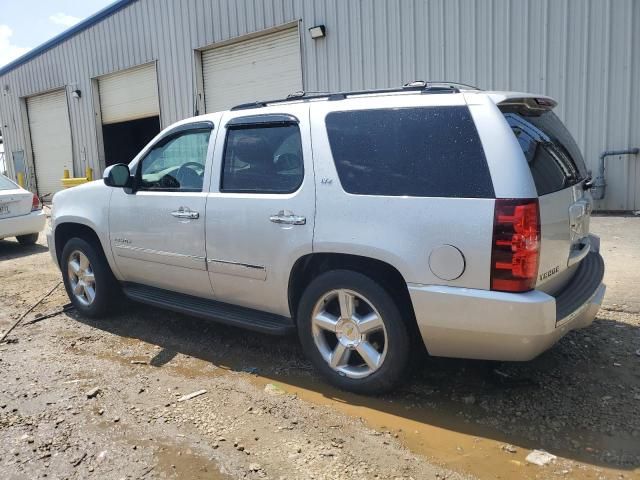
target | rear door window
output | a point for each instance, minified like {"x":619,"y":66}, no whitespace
{"x":263,"y":159}
{"x":419,"y":152}
{"x":553,"y":155}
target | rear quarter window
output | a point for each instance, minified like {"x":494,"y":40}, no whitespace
{"x":553,"y":156}
{"x":418,"y":152}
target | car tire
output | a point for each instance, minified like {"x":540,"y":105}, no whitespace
{"x":387,"y":349}
{"x":29,"y":239}
{"x":88,"y":280}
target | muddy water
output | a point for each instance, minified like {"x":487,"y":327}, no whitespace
{"x":173,"y":462}
{"x":416,"y":427}
{"x":474,"y":454}
{"x":417,"y":424}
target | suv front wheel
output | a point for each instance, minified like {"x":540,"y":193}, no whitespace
{"x":87,"y":277}
{"x":353,"y":332}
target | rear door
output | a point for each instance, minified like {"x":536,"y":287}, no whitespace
{"x":261,"y":209}
{"x":559,"y":173}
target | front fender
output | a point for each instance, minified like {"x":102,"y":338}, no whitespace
{"x":86,"y":205}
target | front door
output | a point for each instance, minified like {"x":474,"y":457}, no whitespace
{"x":260,"y":212}
{"x":157,"y":230}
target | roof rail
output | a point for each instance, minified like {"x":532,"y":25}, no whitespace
{"x":416,"y":86}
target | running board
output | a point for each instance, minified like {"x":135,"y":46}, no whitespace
{"x":228,"y":314}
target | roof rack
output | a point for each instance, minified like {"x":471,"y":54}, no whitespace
{"x":416,"y":86}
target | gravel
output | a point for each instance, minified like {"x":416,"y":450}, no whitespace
{"x":82,"y":397}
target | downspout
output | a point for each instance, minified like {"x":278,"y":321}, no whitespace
{"x":600,"y":184}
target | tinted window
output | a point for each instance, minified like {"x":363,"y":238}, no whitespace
{"x":176,"y":163}
{"x":6,"y":184}
{"x":263,"y":159}
{"x":422,"y":152}
{"x":553,"y":156}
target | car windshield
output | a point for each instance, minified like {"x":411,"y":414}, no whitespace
{"x":6,"y":184}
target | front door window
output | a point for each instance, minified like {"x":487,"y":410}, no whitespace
{"x":176,"y":163}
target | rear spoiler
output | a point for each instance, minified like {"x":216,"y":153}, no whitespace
{"x":534,"y":105}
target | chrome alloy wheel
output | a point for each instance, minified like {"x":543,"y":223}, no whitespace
{"x":81,"y":278}
{"x":349,"y":333}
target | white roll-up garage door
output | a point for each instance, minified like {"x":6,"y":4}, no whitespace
{"x":261,"y":68}
{"x":50,"y":139}
{"x":129,"y":94}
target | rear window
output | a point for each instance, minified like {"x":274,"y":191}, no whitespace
{"x":6,"y":184}
{"x":553,"y":155}
{"x":419,"y":152}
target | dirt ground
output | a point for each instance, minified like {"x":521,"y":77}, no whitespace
{"x":102,"y":399}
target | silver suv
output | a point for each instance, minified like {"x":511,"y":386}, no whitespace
{"x":370,"y":222}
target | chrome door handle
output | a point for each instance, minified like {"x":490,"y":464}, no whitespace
{"x":287,"y":218}
{"x":183,"y":212}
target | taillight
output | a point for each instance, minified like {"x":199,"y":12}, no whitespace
{"x":516,"y":245}
{"x":35,"y":203}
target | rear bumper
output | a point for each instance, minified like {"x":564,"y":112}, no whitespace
{"x":23,"y":225}
{"x":481,"y":324}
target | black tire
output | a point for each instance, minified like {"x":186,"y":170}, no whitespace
{"x":107,"y":289}
{"x":29,"y":239}
{"x":394,"y":366}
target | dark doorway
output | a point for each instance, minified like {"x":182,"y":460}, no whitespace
{"x":123,"y":141}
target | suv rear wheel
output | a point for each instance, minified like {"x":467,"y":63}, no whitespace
{"x":353,"y":332}
{"x":87,"y":277}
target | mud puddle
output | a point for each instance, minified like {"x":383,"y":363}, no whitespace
{"x":429,"y":425}
{"x":478,"y":454}
{"x":184,"y":463}
{"x":415,"y":425}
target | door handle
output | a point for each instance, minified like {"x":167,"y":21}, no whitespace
{"x":288,"y":218}
{"x":184,"y":212}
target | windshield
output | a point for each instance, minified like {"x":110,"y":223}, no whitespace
{"x":6,"y":184}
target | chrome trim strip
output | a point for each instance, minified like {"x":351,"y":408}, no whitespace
{"x":248,"y":265}
{"x":227,"y":267}
{"x":158,"y":252}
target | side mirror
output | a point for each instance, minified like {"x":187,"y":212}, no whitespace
{"x":118,"y":176}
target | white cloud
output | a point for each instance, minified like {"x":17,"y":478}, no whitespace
{"x":8,"y":51}
{"x":64,"y":19}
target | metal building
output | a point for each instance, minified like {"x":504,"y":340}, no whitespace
{"x":95,"y":94}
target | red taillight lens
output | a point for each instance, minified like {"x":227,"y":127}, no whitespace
{"x":35,"y":203}
{"x":516,"y":245}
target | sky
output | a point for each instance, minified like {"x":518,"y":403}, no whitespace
{"x":25,"y":24}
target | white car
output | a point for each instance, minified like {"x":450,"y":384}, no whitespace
{"x":21,"y":213}
{"x":373,"y":223}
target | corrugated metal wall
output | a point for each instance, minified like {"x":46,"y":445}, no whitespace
{"x":585,"y":53}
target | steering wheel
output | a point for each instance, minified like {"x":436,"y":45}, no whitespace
{"x":190,"y":174}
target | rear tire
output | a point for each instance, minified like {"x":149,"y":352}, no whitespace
{"x":29,"y":239}
{"x":88,"y":279}
{"x":365,"y":351}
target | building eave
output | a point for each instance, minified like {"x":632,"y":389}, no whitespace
{"x":67,"y":34}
